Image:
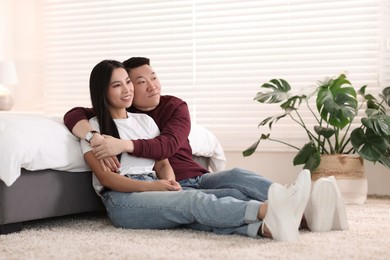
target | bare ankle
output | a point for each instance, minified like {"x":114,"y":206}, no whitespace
{"x":264,"y":231}
{"x":262,"y":211}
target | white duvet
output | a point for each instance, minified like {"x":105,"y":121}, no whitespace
{"x":36,"y":142}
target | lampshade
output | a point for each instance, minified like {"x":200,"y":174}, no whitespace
{"x":8,"y":73}
{"x":7,"y":78}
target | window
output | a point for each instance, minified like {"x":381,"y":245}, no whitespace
{"x":215,"y":54}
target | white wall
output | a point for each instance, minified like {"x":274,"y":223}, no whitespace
{"x":278,"y":167}
{"x":5,"y":30}
{"x":18,"y":33}
{"x":28,"y":96}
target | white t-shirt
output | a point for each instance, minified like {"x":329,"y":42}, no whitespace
{"x":136,"y":126}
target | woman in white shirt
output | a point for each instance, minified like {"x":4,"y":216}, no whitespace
{"x":145,"y":194}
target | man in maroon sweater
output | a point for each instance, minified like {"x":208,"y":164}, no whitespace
{"x":172,"y":116}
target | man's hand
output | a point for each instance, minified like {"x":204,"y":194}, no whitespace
{"x":104,"y":146}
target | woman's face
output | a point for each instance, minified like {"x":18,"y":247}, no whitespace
{"x":120,"y":90}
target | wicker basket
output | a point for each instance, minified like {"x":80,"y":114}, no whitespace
{"x":349,"y":173}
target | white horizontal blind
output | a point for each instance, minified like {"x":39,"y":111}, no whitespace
{"x":242,"y":44}
{"x":215,"y":54}
{"x":385,"y":44}
{"x":78,"y":34}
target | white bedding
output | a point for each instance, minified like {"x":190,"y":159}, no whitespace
{"x":204,"y":143}
{"x":36,"y":142}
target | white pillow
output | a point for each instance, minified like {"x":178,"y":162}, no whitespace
{"x":36,"y":142}
{"x":204,"y":143}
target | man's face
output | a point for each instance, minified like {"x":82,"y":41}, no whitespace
{"x":146,"y":88}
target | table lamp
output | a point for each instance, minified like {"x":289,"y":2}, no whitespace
{"x":7,"y":78}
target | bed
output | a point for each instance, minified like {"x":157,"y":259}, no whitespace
{"x":43,"y":173}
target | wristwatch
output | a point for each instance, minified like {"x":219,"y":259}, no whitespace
{"x":89,"y":135}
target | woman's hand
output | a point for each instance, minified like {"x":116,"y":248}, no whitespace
{"x":98,"y":143}
{"x":164,"y":185}
{"x":110,"y":164}
{"x":176,"y":184}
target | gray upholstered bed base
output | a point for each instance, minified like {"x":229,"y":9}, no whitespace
{"x":49,"y":193}
{"x":43,"y":194}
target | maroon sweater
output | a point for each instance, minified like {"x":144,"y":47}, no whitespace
{"x":173,"y":119}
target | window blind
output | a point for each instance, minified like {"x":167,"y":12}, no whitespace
{"x":216,"y":54}
{"x":385,"y":45}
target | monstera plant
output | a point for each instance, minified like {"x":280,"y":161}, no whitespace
{"x":336,"y":113}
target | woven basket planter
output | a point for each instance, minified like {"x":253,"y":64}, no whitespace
{"x":349,"y":173}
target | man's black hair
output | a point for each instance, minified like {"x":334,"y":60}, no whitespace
{"x":135,"y":62}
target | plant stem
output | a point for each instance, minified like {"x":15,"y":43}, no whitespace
{"x":278,"y":141}
{"x":342,"y":143}
{"x":336,"y":137}
{"x":329,"y":144}
{"x":301,"y":123}
{"x":312,"y":112}
{"x":350,"y":151}
{"x":321,"y":144}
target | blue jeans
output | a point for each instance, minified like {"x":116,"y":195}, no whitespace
{"x":188,"y":208}
{"x":238,"y":183}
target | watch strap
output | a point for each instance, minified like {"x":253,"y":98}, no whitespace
{"x":89,"y":135}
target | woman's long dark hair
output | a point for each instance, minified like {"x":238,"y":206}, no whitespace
{"x":99,"y":82}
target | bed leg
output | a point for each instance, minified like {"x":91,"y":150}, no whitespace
{"x":10,"y":228}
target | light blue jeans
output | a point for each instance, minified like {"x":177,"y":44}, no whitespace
{"x":237,"y":182}
{"x":188,"y":208}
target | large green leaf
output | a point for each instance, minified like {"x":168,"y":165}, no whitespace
{"x":368,"y":144}
{"x":293,"y":103}
{"x":373,"y":105}
{"x":324,"y":131}
{"x":272,"y":119}
{"x":308,"y":155}
{"x":313,"y":162}
{"x":386,"y":95}
{"x":250,"y":150}
{"x":274,"y":91}
{"x":385,"y":160}
{"x":380,"y":124}
{"x":336,"y":102}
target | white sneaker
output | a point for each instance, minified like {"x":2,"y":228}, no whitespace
{"x":340,"y":220}
{"x":279,"y":218}
{"x":300,"y":192}
{"x":321,"y":207}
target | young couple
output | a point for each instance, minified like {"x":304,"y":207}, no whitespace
{"x":144,"y":190}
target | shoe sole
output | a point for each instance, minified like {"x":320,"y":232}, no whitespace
{"x":280,"y":201}
{"x":323,"y":203}
{"x":305,"y":178}
{"x":340,"y":220}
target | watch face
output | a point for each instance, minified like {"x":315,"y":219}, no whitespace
{"x":89,"y":136}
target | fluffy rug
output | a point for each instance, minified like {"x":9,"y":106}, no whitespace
{"x":93,"y":237}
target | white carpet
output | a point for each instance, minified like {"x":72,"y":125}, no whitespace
{"x":93,"y":237}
